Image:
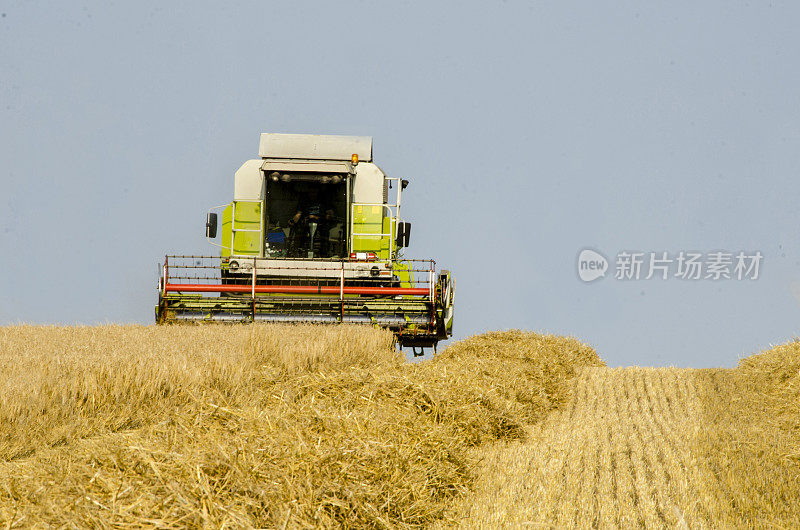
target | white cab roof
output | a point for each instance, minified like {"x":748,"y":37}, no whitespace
{"x":315,"y":146}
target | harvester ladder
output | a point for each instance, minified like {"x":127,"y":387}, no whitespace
{"x":394,"y":214}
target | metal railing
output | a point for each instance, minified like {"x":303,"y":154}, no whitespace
{"x":392,"y":211}
{"x":254,"y":276}
{"x":260,"y":229}
{"x":393,"y":220}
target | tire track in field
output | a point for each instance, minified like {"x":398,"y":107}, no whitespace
{"x":617,"y":456}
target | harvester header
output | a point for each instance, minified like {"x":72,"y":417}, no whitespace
{"x":313,"y":234}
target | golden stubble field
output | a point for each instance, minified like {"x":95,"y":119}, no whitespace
{"x":654,"y":448}
{"x":258,"y":426}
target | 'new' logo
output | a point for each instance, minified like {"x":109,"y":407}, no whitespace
{"x":591,"y":265}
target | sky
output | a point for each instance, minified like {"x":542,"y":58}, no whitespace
{"x":529,"y":131}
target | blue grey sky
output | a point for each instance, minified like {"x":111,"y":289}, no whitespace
{"x":528,"y":130}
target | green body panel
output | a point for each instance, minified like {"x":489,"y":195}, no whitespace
{"x":369,"y":219}
{"x":401,"y":270}
{"x":247,"y":217}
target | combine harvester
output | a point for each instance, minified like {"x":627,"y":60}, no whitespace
{"x":313,"y":234}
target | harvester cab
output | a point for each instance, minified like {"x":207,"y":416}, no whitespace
{"x":313,"y":234}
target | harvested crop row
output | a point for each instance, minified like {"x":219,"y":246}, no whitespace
{"x":616,"y":456}
{"x":644,"y":447}
{"x":257,"y":425}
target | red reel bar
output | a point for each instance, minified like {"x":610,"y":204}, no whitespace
{"x":295,"y":289}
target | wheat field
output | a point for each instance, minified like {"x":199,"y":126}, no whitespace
{"x":279,"y":426}
{"x":261,"y":426}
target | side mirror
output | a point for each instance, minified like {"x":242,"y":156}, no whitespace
{"x":211,"y":225}
{"x":403,"y":234}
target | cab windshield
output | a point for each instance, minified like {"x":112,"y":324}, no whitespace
{"x":306,"y":217}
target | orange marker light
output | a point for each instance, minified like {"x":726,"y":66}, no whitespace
{"x":354,"y":158}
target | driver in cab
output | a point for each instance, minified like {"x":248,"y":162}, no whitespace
{"x":312,"y":209}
